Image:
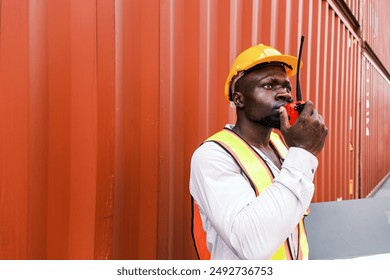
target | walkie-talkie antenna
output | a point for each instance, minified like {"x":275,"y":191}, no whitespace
{"x":299,"y":94}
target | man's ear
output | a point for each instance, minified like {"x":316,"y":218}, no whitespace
{"x":238,"y":99}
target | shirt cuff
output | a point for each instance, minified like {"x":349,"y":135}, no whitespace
{"x":301,"y":160}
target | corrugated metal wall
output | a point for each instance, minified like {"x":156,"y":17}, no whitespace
{"x":102,"y":103}
{"x":79,"y":87}
{"x":375,"y":83}
{"x":375,"y":25}
{"x":375,"y":132}
{"x":334,"y":59}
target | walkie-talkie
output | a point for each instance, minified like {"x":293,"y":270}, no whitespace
{"x":295,"y":108}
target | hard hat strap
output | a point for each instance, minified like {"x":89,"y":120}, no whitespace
{"x":234,"y":81}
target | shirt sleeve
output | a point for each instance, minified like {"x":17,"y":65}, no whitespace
{"x":254,"y":227}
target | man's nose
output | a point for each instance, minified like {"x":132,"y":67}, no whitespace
{"x":283,"y":93}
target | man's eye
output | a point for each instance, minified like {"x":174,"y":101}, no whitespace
{"x":288,"y":89}
{"x":267,"y":86}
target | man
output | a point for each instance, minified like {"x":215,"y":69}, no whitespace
{"x":250,"y":192}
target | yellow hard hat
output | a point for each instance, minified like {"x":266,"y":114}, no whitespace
{"x":256,"y":55}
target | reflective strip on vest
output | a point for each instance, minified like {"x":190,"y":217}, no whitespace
{"x":199,"y":235}
{"x":249,"y":161}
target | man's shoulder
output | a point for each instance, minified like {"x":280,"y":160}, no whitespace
{"x":209,"y":154}
{"x":208,"y":149}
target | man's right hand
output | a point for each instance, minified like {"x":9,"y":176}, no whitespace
{"x":308,"y":132}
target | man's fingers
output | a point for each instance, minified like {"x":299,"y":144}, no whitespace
{"x":308,"y":109}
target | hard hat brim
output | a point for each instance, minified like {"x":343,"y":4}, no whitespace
{"x":290,"y":60}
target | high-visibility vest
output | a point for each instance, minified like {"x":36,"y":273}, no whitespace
{"x":260,"y":177}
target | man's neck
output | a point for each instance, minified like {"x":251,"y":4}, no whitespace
{"x":259,"y":137}
{"x":256,"y":135}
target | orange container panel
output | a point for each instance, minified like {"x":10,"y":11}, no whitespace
{"x":136,"y":129}
{"x":375,"y":134}
{"x":375,"y":28}
{"x":333,"y":58}
{"x":106,"y":145}
{"x":15,"y":210}
{"x":79,"y":104}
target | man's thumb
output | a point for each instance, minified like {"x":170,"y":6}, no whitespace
{"x":284,"y":123}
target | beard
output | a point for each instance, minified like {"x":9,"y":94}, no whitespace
{"x":270,"y":121}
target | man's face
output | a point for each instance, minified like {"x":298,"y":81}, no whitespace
{"x":264,"y":91}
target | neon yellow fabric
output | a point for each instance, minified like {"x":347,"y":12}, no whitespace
{"x":261,"y":178}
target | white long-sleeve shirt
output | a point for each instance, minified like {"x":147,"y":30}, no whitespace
{"x":238,"y":224}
